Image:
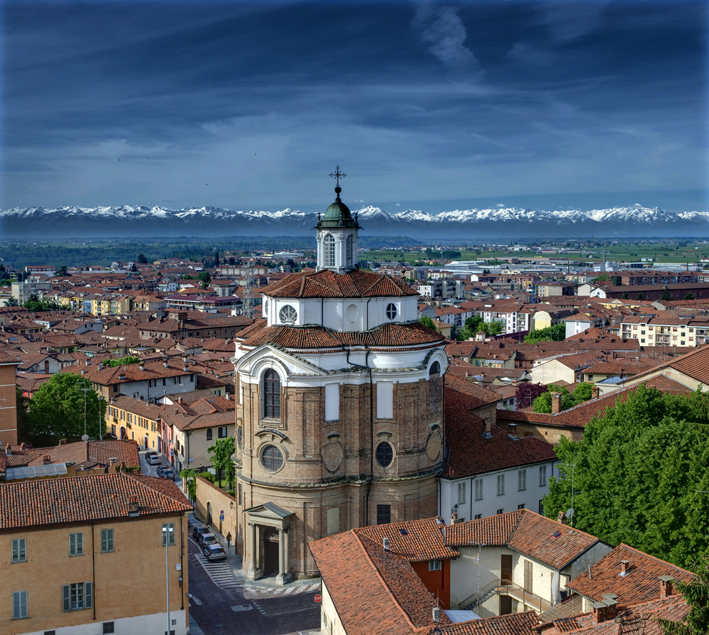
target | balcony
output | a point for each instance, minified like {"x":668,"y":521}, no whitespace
{"x":498,"y":587}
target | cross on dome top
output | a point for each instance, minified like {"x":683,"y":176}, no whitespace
{"x":338,"y":175}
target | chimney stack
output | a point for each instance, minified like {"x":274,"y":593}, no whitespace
{"x":512,"y":431}
{"x":133,"y":507}
{"x":62,"y":441}
{"x":23,"y":446}
{"x":487,"y":431}
{"x":8,"y":450}
{"x":555,"y":403}
{"x":604,"y":611}
{"x":228,"y":397}
{"x":666,"y":586}
{"x":46,"y":459}
{"x":595,"y":392}
{"x":385,"y":543}
{"x":624,"y":568}
{"x":164,"y":364}
{"x":561,"y":517}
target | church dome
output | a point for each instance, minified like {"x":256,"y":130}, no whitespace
{"x":337,"y":215}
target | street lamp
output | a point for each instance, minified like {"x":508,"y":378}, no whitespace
{"x":167,"y":532}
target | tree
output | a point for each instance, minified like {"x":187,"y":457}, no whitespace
{"x":666,"y":295}
{"x":62,"y":271}
{"x":56,"y":411}
{"x":689,"y":296}
{"x":604,"y":277}
{"x":123,"y":361}
{"x":493,"y":328}
{"x":640,"y":296}
{"x":472,"y":326}
{"x":12,"y":302}
{"x":625,"y":296}
{"x":216,"y":259}
{"x":581,"y":393}
{"x":556,"y":333}
{"x":205,"y":278}
{"x":696,"y":594}
{"x":190,"y":479}
{"x":640,"y":475}
{"x":427,"y":322}
{"x":526,"y":393}
{"x":222,"y":451}
{"x":142,"y":260}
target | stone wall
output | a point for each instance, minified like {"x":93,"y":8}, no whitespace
{"x":210,"y":497}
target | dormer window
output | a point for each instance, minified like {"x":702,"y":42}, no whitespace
{"x":288,"y":315}
{"x":329,"y":251}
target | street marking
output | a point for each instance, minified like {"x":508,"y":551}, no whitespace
{"x":290,"y":590}
{"x":219,"y":572}
{"x":197,"y":601}
{"x":241,"y":607}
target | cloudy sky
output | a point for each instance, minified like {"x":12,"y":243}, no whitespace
{"x":425,"y":105}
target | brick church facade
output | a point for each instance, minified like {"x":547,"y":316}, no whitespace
{"x":340,"y":407}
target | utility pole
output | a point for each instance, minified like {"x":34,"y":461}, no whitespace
{"x":86,"y":436}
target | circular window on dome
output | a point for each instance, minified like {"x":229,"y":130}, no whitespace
{"x":288,"y":315}
{"x":391,"y":311}
{"x":271,"y":458}
{"x":384,"y":454}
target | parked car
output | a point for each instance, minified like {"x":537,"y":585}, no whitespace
{"x":207,"y":539}
{"x":167,"y":473}
{"x":214,"y":552}
{"x":152,"y":458}
{"x":198,"y":531}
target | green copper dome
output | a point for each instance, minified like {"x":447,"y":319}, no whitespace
{"x":337,"y":215}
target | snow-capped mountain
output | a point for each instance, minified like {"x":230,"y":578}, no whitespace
{"x":142,"y":221}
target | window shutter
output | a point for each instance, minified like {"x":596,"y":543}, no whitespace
{"x":16,"y":604}
{"x":66,"y":595}
{"x":88,"y":592}
{"x":72,"y":544}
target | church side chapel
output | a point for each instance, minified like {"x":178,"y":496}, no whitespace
{"x":340,"y":406}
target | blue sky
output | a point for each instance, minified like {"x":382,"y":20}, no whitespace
{"x":431,"y":106}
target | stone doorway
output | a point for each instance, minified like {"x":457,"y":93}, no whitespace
{"x":267,"y":542}
{"x":271,"y":545}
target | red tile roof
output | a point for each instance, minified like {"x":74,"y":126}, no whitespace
{"x":42,"y":502}
{"x":513,"y":624}
{"x":470,"y":452}
{"x":327,"y":284}
{"x":85,"y":455}
{"x":640,"y":584}
{"x":305,"y":337}
{"x":423,"y":540}
{"x":526,"y":532}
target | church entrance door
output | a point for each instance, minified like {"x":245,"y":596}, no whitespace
{"x":270,"y":552}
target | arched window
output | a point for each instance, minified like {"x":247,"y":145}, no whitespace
{"x":329,"y":251}
{"x":348,"y":250}
{"x":271,"y":395}
{"x":434,"y":388}
{"x":222,"y":432}
{"x":209,"y":434}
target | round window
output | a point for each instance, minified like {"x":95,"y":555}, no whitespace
{"x":288,"y":314}
{"x":391,"y":311}
{"x":271,"y":458}
{"x":384,"y":454}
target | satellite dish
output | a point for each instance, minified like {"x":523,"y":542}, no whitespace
{"x":85,"y":437}
{"x":570,"y":513}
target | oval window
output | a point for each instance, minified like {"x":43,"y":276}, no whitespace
{"x":391,"y":311}
{"x":384,"y":454}
{"x":271,"y":458}
{"x":288,"y":315}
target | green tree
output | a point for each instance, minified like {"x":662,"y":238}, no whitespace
{"x":696,"y":594}
{"x":556,"y":333}
{"x":666,"y":295}
{"x":62,"y":271}
{"x":640,"y":296}
{"x":142,"y":260}
{"x":427,"y":322}
{"x":56,"y":411}
{"x":123,"y":361}
{"x":689,"y":296}
{"x":639,"y":475}
{"x":221,"y":452}
{"x":472,"y":326}
{"x":205,"y":278}
{"x":604,"y":277}
{"x":581,"y":393}
{"x":12,"y":302}
{"x":216,"y":259}
{"x":190,"y":479}
{"x":625,"y":296}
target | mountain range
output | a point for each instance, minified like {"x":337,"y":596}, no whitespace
{"x":133,"y":222}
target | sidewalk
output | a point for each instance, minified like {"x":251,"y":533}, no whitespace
{"x":234,"y":561}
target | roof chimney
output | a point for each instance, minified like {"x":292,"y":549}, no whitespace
{"x":46,"y":459}
{"x":561,"y":517}
{"x":595,"y":392}
{"x":133,"y":507}
{"x":62,"y":441}
{"x":512,"y":431}
{"x":666,"y":586}
{"x":23,"y":446}
{"x":555,"y":403}
{"x":88,"y":362}
{"x":487,"y":430}
{"x":142,"y":367}
{"x":228,"y":397}
{"x":8,"y":450}
{"x":603,"y":611}
{"x":164,"y":364}
{"x":624,"y":568}
{"x":385,"y":543}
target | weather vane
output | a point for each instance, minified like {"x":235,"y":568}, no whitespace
{"x":337,"y":175}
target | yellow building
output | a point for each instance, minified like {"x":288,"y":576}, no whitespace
{"x":135,"y":419}
{"x":98,"y":566}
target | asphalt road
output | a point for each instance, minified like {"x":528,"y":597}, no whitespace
{"x":226,"y":611}
{"x":152,"y":470}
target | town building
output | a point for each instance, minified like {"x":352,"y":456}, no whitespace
{"x":67,"y":564}
{"x":340,"y":407}
{"x":134,"y":419}
{"x":8,"y":399}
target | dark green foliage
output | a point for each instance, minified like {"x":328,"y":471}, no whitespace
{"x":625,"y":296}
{"x":641,"y":475}
{"x":604,"y":277}
{"x":581,"y":393}
{"x":666,"y":295}
{"x":689,"y":296}
{"x":205,"y":278}
{"x":34,"y":304}
{"x":696,"y":594}
{"x":475,"y":324}
{"x":142,"y":260}
{"x":556,"y":333}
{"x":640,"y":296}
{"x":123,"y":361}
{"x":188,"y":476}
{"x":427,"y":322}
{"x":56,"y":411}
{"x":221,"y":452}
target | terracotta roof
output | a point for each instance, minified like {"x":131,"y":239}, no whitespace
{"x":470,"y":452}
{"x":108,"y":375}
{"x":218,"y":411}
{"x":95,"y":453}
{"x":541,"y":538}
{"x":423,"y":539}
{"x":5,"y":358}
{"x":327,"y":284}
{"x":84,"y":498}
{"x":475,"y":395}
{"x":640,"y":584}
{"x":304,"y":337}
{"x":137,"y":406}
{"x":512,"y":624}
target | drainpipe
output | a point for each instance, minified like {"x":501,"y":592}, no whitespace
{"x":367,"y":311}
{"x":93,"y":570}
